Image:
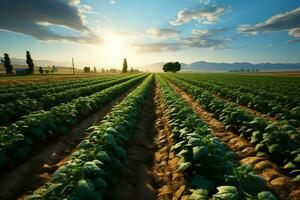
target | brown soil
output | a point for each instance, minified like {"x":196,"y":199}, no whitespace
{"x":36,"y":170}
{"x":135,"y":179}
{"x":171,"y":184}
{"x":149,"y":172}
{"x":281,"y":184}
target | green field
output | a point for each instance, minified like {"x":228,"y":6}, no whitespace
{"x":162,"y":136}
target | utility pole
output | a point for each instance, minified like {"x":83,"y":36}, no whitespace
{"x":73,"y":66}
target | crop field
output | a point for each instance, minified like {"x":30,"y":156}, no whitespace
{"x":165,"y":136}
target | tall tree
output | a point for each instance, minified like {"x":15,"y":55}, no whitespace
{"x":125,"y":66}
{"x":131,"y":70}
{"x":41,"y":70}
{"x":95,"y":70}
{"x":30,"y":63}
{"x":7,"y":65}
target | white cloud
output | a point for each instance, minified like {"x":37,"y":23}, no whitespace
{"x":38,"y":16}
{"x":288,"y":21}
{"x":163,"y":33}
{"x":208,"y":15}
{"x":295,"y":32}
{"x":205,"y":39}
{"x":205,"y":2}
{"x":211,"y":38}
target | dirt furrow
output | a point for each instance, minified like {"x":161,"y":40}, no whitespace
{"x":35,"y":171}
{"x":135,"y":178}
{"x":149,"y":172}
{"x":172,"y":184}
{"x":281,"y":184}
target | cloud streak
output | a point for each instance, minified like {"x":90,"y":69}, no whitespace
{"x":205,"y":39}
{"x":157,"y":47}
{"x":208,"y":15}
{"x":163,"y":33}
{"x":208,"y":38}
{"x":32,"y":18}
{"x":288,"y":21}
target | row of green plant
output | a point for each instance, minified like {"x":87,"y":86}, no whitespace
{"x":12,"y":111}
{"x":25,"y":86}
{"x":268,"y":106}
{"x":276,"y":141}
{"x":47,"y":89}
{"x":284,"y":90}
{"x":92,"y":168}
{"x":211,"y":168}
{"x":18,"y":139}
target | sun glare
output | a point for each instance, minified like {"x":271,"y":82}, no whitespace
{"x":114,"y":46}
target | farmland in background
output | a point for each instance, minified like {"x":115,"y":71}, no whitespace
{"x":150,"y":136}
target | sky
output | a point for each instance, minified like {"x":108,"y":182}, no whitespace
{"x":103,"y":32}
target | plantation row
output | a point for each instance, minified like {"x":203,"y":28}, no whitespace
{"x":93,"y":166}
{"x":46,"y":99}
{"x":26,"y":86}
{"x":276,"y":104}
{"x":210,"y":167}
{"x":276,"y":141}
{"x":39,"y":89}
{"x":280,"y":89}
{"x":19,"y":138}
{"x":96,"y":165}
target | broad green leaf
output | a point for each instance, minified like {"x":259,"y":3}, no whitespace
{"x":226,"y":193}
{"x":274,"y":148}
{"x":266,"y":195}
{"x":183,"y":166}
{"x":199,"y":152}
{"x":289,"y":165}
{"x":297,"y":178}
{"x":199,"y":194}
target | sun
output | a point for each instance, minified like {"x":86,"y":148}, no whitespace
{"x":114,"y":46}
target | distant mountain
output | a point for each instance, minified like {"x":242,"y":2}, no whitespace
{"x":219,"y":67}
{"x":195,"y":66}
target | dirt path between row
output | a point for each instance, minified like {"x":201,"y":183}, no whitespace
{"x":149,"y":172}
{"x":135,"y":178}
{"x":35,"y":171}
{"x":171,"y":184}
{"x":281,"y":184}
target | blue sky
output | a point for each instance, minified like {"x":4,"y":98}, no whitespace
{"x":102,"y":32}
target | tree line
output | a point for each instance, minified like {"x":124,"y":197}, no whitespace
{"x":30,"y":70}
{"x":9,"y":67}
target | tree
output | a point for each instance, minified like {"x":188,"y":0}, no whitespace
{"x":102,"y":70}
{"x":41,"y":70}
{"x":54,"y":68}
{"x":125,"y":66}
{"x":30,"y":63}
{"x":131,"y":70}
{"x":172,"y":67}
{"x":87,"y":69}
{"x":95,"y":70}
{"x":7,"y":65}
